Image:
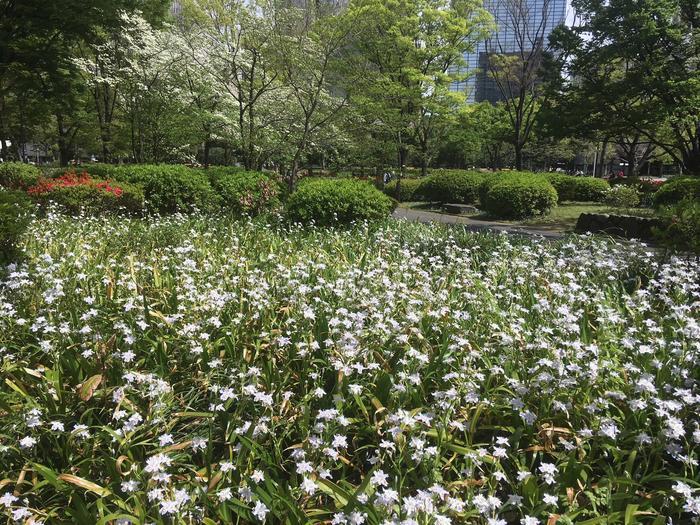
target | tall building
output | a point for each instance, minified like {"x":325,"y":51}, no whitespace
{"x":520,"y":25}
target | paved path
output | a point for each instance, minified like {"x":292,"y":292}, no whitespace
{"x":471,"y":224}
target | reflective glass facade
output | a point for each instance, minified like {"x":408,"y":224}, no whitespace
{"x":517,"y":21}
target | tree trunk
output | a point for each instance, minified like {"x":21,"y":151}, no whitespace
{"x":207,"y":147}
{"x":602,"y":163}
{"x":518,"y":156}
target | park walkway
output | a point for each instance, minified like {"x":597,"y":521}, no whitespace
{"x":473,"y":225}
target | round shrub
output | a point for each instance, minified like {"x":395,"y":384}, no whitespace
{"x":171,"y":188}
{"x":571,"y":188}
{"x":15,"y":214}
{"x":408,"y":190}
{"x":677,"y":189}
{"x":459,"y":187}
{"x":81,"y":193}
{"x":330,"y":201}
{"x":622,"y":197}
{"x":18,"y":176}
{"x":245,"y":192}
{"x":519,"y":197}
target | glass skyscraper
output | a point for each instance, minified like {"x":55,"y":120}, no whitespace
{"x":520,"y":25}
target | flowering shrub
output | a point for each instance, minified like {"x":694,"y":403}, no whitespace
{"x":622,"y":197}
{"x":181,"y":370}
{"x":81,"y":193}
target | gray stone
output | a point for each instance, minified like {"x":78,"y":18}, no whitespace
{"x":626,"y":226}
{"x":459,"y":208}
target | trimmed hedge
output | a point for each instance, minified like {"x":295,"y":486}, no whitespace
{"x":171,"y":188}
{"x":677,"y":189}
{"x":18,"y":176}
{"x":458,"y":187}
{"x":518,"y":197}
{"x":15,"y":214}
{"x":245,"y":192}
{"x":408,"y":191}
{"x":571,"y":188}
{"x":331,"y":201}
{"x":83,"y":194}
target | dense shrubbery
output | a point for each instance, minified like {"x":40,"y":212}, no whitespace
{"x":329,"y":201}
{"x":81,"y":193}
{"x":677,"y":189}
{"x":171,"y":188}
{"x":682,"y":226}
{"x":245,"y":192}
{"x":15,"y":212}
{"x":454,"y":186}
{"x":517,"y":197}
{"x":18,"y":176}
{"x":408,"y":190}
{"x":622,"y":197}
{"x":571,"y":188}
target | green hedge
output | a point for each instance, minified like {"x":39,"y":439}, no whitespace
{"x":677,"y":189}
{"x":454,"y":186}
{"x":15,"y":214}
{"x":571,"y":188}
{"x":171,"y":188}
{"x":622,"y":197}
{"x":18,"y":176}
{"x":331,"y":201}
{"x":245,"y":192}
{"x":408,"y":191}
{"x":518,"y":197}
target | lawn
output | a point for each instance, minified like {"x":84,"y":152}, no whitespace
{"x":200,"y":370}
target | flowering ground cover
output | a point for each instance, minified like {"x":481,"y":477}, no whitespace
{"x":191,"y":370}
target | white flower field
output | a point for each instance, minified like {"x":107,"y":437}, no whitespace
{"x":198,"y":370}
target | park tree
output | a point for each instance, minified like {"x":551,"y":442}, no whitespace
{"x":516,"y":55}
{"x":38,"y":41}
{"x":633,"y":65}
{"x":410,"y":53}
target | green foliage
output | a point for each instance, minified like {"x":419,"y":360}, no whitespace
{"x":104,"y":171}
{"x":245,"y":192}
{"x":18,"y":175}
{"x":15,"y":214}
{"x":517,"y":197}
{"x":677,"y":189}
{"x":682,"y":226}
{"x":329,"y":201}
{"x":454,"y":186}
{"x":622,"y":197}
{"x":171,"y":188}
{"x":571,"y":188}
{"x":408,"y":191}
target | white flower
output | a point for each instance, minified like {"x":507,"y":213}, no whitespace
{"x":27,"y":442}
{"x":8,"y":499}
{"x":260,"y":511}
{"x":549,"y":499}
{"x":257,"y":476}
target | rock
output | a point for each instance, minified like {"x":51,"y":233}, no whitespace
{"x":626,"y":226}
{"x":459,"y":208}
